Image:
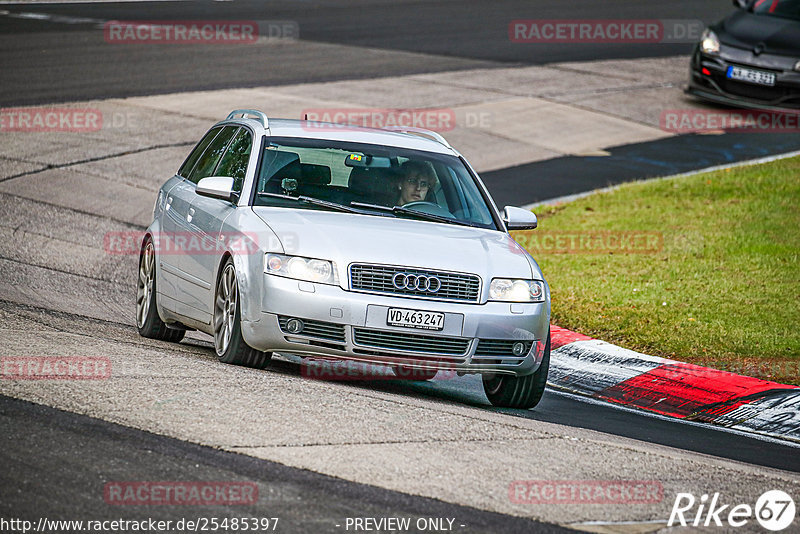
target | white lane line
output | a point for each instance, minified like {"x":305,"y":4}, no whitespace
{"x":576,"y":196}
{"x":588,"y":523}
{"x":62,"y":19}
{"x":619,"y":526}
{"x":553,"y":388}
{"x":57,"y":2}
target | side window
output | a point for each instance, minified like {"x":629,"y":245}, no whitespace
{"x":208,"y":161}
{"x":234,"y":162}
{"x":187,"y":166}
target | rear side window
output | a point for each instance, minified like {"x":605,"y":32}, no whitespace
{"x":208,"y":161}
{"x":234,"y":162}
{"x":188,"y":165}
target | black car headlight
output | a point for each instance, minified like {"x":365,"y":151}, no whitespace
{"x":709,"y":42}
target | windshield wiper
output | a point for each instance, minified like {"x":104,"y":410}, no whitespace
{"x":313,"y":201}
{"x":414,"y":213}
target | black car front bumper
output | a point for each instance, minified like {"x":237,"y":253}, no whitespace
{"x":716,"y":86}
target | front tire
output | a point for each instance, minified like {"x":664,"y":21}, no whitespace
{"x":525,"y":392}
{"x":147,"y":320}
{"x":228,"y":341}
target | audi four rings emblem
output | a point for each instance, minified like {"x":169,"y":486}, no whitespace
{"x":418,"y":282}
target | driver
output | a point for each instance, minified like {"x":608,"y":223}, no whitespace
{"x":418,"y":178}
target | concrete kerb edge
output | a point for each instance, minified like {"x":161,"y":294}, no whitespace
{"x":605,"y":372}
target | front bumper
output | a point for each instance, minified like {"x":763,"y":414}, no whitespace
{"x":476,"y":338}
{"x":717,"y":87}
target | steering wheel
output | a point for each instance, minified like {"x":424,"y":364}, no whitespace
{"x":429,"y":207}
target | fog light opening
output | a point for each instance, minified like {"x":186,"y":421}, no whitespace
{"x":294,"y":326}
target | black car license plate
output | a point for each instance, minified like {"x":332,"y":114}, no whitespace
{"x":757,"y":77}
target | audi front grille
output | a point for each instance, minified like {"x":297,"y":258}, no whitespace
{"x":402,"y":341}
{"x":421,"y":283}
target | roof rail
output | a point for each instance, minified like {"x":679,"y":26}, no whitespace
{"x":420,"y":132}
{"x":262,"y":117}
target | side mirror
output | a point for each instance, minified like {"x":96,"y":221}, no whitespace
{"x":216,"y":187}
{"x":741,"y":4}
{"x":519,"y":219}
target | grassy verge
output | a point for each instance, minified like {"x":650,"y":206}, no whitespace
{"x":703,"y":269}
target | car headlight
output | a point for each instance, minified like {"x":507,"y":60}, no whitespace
{"x":709,"y":43}
{"x":309,"y":269}
{"x":797,"y":66}
{"x":510,"y":290}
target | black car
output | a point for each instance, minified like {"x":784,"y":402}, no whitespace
{"x":752,"y":57}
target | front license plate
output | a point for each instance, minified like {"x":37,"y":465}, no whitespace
{"x":424,"y":320}
{"x":751,"y":76}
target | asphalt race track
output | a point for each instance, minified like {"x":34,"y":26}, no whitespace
{"x":100,"y":452}
{"x":319,"y":452}
{"x":569,"y":175}
{"x":64,"y":60}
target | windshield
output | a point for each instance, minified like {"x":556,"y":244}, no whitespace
{"x":370,"y":179}
{"x":789,"y":9}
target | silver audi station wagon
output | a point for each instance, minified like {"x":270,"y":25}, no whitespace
{"x":336,"y":242}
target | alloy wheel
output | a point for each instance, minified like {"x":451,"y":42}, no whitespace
{"x":225,"y":306}
{"x":144,"y":288}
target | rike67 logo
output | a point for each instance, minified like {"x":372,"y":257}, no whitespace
{"x":774,"y":510}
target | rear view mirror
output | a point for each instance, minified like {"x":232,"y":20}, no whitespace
{"x":366,"y":160}
{"x":519,"y":219}
{"x":216,"y":187}
{"x":741,"y":4}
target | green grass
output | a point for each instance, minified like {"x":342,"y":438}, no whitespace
{"x":723,"y":290}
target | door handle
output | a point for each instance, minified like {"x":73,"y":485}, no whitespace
{"x":190,"y":215}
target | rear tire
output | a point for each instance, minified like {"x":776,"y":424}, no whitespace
{"x":507,"y":391}
{"x":148,"y":322}
{"x":228,"y":341}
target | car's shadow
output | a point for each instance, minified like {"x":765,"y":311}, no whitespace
{"x":570,"y":411}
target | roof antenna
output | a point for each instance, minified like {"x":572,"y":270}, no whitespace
{"x":305,"y":116}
